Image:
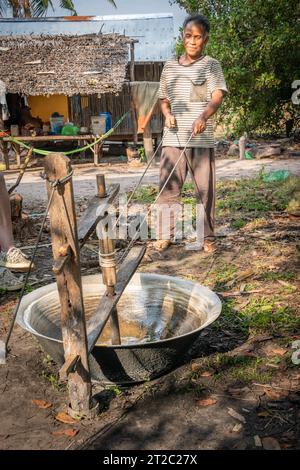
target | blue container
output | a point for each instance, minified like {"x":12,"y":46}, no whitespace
{"x":108,"y":120}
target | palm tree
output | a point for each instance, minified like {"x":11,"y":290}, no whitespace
{"x":29,"y":8}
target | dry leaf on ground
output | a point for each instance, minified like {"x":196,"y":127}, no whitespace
{"x":270,"y":443}
{"x":275,"y":351}
{"x":206,"y":402}
{"x":195,"y":366}
{"x":66,"y":432}
{"x":65,"y":418}
{"x":236,"y":415}
{"x":41,"y":404}
{"x":207,"y":373}
{"x":257,"y":441}
{"x":237,"y":427}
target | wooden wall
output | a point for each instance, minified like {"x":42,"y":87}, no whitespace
{"x":81,"y":108}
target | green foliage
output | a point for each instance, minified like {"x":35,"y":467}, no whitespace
{"x":264,"y":314}
{"x":254,"y":195}
{"x":238,"y":197}
{"x":257,"y":44}
{"x":36,"y":8}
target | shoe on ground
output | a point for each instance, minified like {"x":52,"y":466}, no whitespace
{"x":9,"y":281}
{"x":15,"y":260}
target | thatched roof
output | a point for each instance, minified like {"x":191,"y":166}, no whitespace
{"x":69,"y":65}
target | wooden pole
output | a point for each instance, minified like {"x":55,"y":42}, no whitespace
{"x":109,"y":273}
{"x":68,"y":278}
{"x":101,"y":188}
{"x":148,"y":142}
{"x":109,"y":276}
{"x":5,"y":154}
{"x":242,"y":146}
{"x":3,"y":145}
{"x":132,"y":79}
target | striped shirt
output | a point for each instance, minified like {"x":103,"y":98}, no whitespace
{"x":188,"y":88}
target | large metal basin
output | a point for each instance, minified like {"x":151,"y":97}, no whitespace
{"x":160,"y":318}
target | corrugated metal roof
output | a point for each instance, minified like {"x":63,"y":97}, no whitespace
{"x":155,"y":32}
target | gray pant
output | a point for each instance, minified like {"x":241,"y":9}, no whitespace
{"x":200,"y":162}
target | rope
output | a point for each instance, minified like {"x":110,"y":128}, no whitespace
{"x":107,"y":260}
{"x":29,"y":269}
{"x":156,"y":199}
{"x":141,"y":178}
{"x":80,"y":149}
{"x":54,"y":183}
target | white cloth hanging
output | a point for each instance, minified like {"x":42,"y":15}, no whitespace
{"x":3,"y":102}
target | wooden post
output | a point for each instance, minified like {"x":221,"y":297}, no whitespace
{"x":148,"y":143}
{"x":17,"y":150}
{"x":97,"y":151}
{"x":242,"y":146}
{"x":3,"y":145}
{"x":65,"y":244}
{"x":132,"y":78}
{"x":5,"y":154}
{"x":109,"y":274}
{"x":101,"y":188}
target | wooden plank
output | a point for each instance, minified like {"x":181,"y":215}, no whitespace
{"x":64,"y":234}
{"x":95,"y":212}
{"x":107,"y":304}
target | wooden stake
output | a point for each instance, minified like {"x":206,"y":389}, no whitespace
{"x":148,"y":143}
{"x":109,"y":276}
{"x":64,"y":234}
{"x":133,"y":113}
{"x":101,"y":189}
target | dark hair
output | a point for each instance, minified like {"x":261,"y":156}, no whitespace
{"x":199,"y":20}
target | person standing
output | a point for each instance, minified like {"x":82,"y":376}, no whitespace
{"x":192,"y":89}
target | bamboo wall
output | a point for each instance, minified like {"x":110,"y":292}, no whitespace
{"x":81,"y":108}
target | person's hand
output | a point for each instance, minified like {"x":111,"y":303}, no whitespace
{"x":199,"y":125}
{"x":170,"y":121}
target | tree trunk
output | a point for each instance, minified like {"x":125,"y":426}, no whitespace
{"x":15,"y":5}
{"x":26,"y":8}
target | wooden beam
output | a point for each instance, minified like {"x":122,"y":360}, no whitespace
{"x":132,"y":108}
{"x":64,"y":234}
{"x":68,"y":367}
{"x":132,"y":75}
{"x":107,"y":304}
{"x":95,"y":211}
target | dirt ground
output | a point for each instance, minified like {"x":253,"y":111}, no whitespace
{"x":237,"y":388}
{"x":33,"y":189}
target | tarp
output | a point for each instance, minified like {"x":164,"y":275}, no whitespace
{"x":144,"y":96}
